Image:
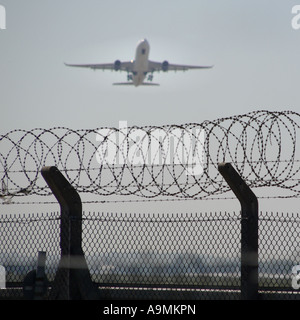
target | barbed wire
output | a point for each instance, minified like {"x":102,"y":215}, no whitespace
{"x":132,"y":217}
{"x":177,"y":161}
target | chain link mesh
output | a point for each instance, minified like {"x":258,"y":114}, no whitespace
{"x":194,"y":255}
{"x":173,"y":255}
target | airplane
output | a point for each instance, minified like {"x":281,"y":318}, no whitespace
{"x":138,"y":69}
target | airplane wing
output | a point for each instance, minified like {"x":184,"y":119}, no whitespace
{"x":117,"y":65}
{"x":166,"y":66}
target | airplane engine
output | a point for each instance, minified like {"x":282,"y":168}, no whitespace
{"x":117,"y":65}
{"x":165,"y":66}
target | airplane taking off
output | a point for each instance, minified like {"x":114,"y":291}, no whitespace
{"x":138,"y":69}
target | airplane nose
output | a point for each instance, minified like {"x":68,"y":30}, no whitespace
{"x":144,"y":41}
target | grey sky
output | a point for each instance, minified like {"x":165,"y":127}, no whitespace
{"x":252,"y":45}
{"x":254,"y":50}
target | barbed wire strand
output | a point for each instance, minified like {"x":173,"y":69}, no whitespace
{"x":178,"y":162}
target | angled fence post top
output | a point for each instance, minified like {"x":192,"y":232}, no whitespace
{"x":65,"y":194}
{"x":72,"y":280}
{"x":244,"y":194}
{"x":249,"y":230}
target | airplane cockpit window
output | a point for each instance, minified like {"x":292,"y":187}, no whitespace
{"x":143,"y":51}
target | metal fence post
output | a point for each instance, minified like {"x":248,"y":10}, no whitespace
{"x":249,"y":230}
{"x":72,"y":280}
{"x":41,"y":279}
{"x":35,"y":283}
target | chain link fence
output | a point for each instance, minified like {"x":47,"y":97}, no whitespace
{"x":156,"y":256}
{"x":152,"y":256}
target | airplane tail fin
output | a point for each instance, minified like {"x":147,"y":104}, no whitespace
{"x":150,"y":84}
{"x":132,"y":84}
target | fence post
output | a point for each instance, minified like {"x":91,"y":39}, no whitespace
{"x":72,"y":280}
{"x":249,"y":230}
{"x":35,"y":283}
{"x":41,"y":281}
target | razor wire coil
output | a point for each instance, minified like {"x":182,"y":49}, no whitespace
{"x":151,"y":161}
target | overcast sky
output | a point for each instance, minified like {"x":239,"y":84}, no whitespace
{"x":254,"y":50}
{"x":252,"y":45}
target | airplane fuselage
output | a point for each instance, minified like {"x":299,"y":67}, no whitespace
{"x":141,"y":62}
{"x":138,"y":69}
